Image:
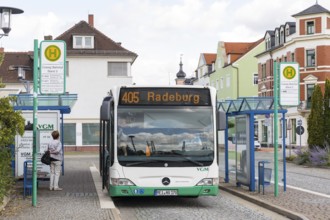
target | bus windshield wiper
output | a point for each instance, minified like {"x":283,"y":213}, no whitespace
{"x":188,"y":159}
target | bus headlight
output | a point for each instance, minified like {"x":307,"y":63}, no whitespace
{"x":121,"y":182}
{"x":208,"y":182}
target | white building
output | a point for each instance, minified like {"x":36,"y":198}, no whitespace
{"x":95,"y":63}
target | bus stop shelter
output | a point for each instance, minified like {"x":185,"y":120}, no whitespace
{"x":250,"y":107}
{"x":62,"y":103}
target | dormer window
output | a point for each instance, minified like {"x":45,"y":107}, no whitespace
{"x":287,"y":31}
{"x":310,"y":27}
{"x":83,"y":42}
{"x":282,"y":37}
{"x":268,"y":45}
{"x":277,"y":38}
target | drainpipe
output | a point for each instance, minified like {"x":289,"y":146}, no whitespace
{"x":237,"y":74}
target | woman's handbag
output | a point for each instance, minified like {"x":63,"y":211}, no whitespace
{"x":45,"y":159}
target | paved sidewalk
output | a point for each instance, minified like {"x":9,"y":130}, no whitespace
{"x":78,"y":200}
{"x":294,"y":204}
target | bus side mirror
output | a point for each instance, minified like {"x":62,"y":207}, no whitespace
{"x":221,"y":121}
{"x":105,"y":108}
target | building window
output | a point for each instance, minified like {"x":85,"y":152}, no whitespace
{"x":310,"y":89}
{"x":217,"y":84}
{"x":83,"y":42}
{"x":263,"y":71}
{"x":282,"y":37}
{"x":268,"y":45}
{"x":117,"y":69}
{"x":90,"y":133}
{"x":69,"y":133}
{"x":221,"y":83}
{"x":264,"y":132}
{"x":287,"y":31}
{"x":310,"y":27}
{"x":310,"y":57}
{"x":292,"y":57}
{"x":277,"y":38}
{"x":255,"y":79}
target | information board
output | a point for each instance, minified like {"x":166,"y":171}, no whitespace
{"x":289,"y":84}
{"x":52,"y":67}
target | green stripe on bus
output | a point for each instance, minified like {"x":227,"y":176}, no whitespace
{"x":116,"y":191}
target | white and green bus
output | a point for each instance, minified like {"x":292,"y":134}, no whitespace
{"x":160,"y":141}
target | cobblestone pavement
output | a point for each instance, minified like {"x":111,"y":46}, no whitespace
{"x":295,"y":204}
{"x":78,"y":200}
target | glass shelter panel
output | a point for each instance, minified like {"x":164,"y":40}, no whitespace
{"x":242,"y":150}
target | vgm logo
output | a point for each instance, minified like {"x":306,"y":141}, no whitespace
{"x":45,"y":126}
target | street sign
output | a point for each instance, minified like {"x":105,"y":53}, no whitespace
{"x":52,"y":67}
{"x":299,"y":122}
{"x":289,"y":84}
{"x":300,"y":130}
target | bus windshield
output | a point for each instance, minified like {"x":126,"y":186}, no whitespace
{"x":165,"y":136}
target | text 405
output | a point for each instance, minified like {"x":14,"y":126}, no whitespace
{"x":130,"y":97}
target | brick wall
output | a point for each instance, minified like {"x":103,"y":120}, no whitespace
{"x":323,"y":55}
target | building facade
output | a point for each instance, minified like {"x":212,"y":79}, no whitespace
{"x":236,"y":72}
{"x":307,"y":42}
{"x":204,"y":68}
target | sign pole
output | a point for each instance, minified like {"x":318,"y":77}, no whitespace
{"x":35,"y":121}
{"x":276,"y":72}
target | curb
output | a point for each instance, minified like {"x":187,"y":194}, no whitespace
{"x":274,"y":208}
{"x":5,"y":200}
{"x":116,"y":214}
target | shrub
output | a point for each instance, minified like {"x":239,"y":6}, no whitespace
{"x":302,"y":156}
{"x":6,"y":177}
{"x":319,"y":156}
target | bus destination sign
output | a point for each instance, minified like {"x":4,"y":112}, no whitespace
{"x":165,"y":96}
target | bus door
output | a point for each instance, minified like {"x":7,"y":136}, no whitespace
{"x":106,"y":139}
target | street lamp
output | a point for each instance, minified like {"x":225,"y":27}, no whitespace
{"x":21,"y":75}
{"x":5,"y":14}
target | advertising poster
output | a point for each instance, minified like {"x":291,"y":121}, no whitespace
{"x":47,"y":122}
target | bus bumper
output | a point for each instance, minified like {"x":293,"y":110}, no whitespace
{"x":194,"y":191}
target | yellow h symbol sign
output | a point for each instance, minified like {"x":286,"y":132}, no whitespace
{"x":52,"y":53}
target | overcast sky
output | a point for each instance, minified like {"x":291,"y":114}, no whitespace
{"x":157,"y":30}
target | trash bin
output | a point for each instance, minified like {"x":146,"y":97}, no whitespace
{"x":264,"y":175}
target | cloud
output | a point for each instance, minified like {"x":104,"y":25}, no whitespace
{"x":157,"y":30}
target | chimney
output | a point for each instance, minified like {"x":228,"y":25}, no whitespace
{"x":91,"y":20}
{"x":48,"y":37}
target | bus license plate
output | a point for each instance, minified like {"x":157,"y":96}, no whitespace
{"x":166,"y":192}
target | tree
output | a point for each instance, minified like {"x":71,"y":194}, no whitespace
{"x":11,"y":122}
{"x":327,"y":111}
{"x":316,"y":120}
